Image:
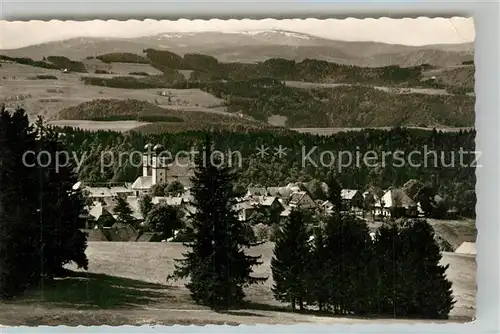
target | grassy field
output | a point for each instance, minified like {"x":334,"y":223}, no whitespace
{"x":48,"y":97}
{"x":126,"y":284}
{"x":121,"y":126}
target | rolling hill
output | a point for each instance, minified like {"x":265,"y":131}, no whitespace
{"x":252,"y":46}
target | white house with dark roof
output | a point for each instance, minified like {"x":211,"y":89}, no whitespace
{"x":395,"y":198}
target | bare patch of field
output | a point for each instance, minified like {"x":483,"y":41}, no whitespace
{"x":126,"y":68}
{"x":120,"y":126}
{"x":126,"y":284}
{"x":453,"y":75}
{"x":277,"y":120}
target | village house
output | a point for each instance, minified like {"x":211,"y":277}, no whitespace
{"x":98,"y":193}
{"x":269,"y":205}
{"x":245,"y":208}
{"x":325,"y":208}
{"x":301,"y":199}
{"x":99,"y":216}
{"x":396,"y":202}
{"x":351,"y":199}
{"x":255,"y":191}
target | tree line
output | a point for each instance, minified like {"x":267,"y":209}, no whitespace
{"x":455,"y":182}
{"x":343,"y":271}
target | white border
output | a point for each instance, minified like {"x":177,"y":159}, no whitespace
{"x":486,"y":17}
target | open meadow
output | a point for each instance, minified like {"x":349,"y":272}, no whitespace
{"x":126,"y":284}
{"x":32,"y":88}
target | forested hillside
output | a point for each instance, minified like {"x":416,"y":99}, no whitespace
{"x":299,"y":163}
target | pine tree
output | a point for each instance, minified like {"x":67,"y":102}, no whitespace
{"x":216,"y":263}
{"x":432,"y":292}
{"x":61,"y":208}
{"x":318,"y":273}
{"x":123,"y":211}
{"x":334,"y":191}
{"x":347,"y":254}
{"x":19,"y":264}
{"x":389,"y":292}
{"x":290,"y":260}
{"x":145,"y":204}
{"x":358,"y":249}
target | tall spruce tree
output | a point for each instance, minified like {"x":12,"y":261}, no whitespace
{"x":19,"y":262}
{"x":358,"y":249}
{"x":410,"y":280}
{"x":123,"y":211}
{"x":145,"y":204}
{"x":389,"y":292}
{"x":431,"y":290}
{"x":216,"y":263}
{"x":334,"y":191}
{"x":347,"y":250}
{"x":317,"y":271}
{"x":291,"y":257}
{"x":61,"y":208}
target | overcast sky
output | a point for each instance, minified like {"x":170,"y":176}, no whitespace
{"x":419,"y":31}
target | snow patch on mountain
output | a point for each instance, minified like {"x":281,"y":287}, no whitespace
{"x":270,"y":33}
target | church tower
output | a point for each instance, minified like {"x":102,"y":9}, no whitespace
{"x":146,"y":160}
{"x":159,"y":166}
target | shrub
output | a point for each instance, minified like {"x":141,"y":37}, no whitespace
{"x":127,"y":82}
{"x":122,"y":57}
{"x":145,"y":74}
{"x":262,"y":232}
{"x":43,"y":77}
{"x":65,"y":63}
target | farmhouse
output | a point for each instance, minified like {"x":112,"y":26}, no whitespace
{"x":256,"y":191}
{"x":351,"y":198}
{"x":301,"y":199}
{"x":395,"y":202}
{"x":99,"y":216}
{"x":325,"y":207}
{"x":270,"y":205}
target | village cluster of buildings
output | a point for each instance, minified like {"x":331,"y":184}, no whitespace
{"x":277,"y":200}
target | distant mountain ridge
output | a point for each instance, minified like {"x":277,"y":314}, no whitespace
{"x":259,"y":45}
